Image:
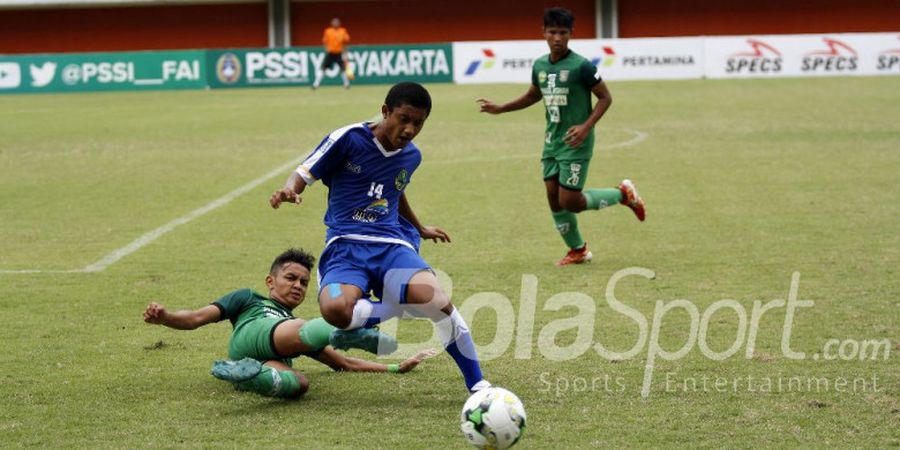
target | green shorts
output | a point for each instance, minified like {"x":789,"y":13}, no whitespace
{"x":571,"y":174}
{"x":255,"y":339}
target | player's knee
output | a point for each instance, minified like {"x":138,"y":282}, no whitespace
{"x":572,"y":203}
{"x":337,"y":312}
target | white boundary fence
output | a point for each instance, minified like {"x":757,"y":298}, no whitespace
{"x":691,"y":57}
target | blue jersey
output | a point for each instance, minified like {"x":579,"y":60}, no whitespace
{"x":365,"y":183}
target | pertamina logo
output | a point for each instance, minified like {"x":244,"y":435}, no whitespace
{"x":839,"y":57}
{"x":10,"y":75}
{"x":42,"y":75}
{"x":487,"y":63}
{"x":490,"y":60}
{"x":657,"y":60}
{"x":889,"y":60}
{"x":608,"y":58}
{"x":762,"y":58}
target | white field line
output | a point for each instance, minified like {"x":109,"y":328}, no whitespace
{"x":151,"y":236}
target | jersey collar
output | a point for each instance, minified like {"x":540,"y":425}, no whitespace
{"x":566,"y":55}
{"x":386,"y":153}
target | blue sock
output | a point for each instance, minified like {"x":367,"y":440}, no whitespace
{"x":470,"y":368}
{"x":459,"y":344}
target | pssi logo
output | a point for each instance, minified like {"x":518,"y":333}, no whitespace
{"x":889,"y":60}
{"x":489,"y":61}
{"x":839,"y":57}
{"x":608,"y":58}
{"x":228,"y":68}
{"x":762,"y":58}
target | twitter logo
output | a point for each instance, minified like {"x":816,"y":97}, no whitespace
{"x":43,"y":75}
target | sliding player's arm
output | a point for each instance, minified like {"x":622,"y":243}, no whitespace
{"x":427,"y":232}
{"x":530,"y":97}
{"x":185,"y":319}
{"x":338,"y":362}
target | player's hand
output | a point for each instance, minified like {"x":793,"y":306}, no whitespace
{"x":284,"y":195}
{"x":411,"y":363}
{"x":434,"y":233}
{"x":485,"y":105}
{"x":576,"y":135}
{"x":155,"y":314}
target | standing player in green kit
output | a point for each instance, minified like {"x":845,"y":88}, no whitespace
{"x":565,"y":81}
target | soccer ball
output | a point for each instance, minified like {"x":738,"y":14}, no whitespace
{"x":493,"y":418}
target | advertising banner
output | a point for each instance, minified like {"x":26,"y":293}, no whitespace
{"x":431,"y":63}
{"x":102,"y":71}
{"x":616,"y":59}
{"x":803,"y":55}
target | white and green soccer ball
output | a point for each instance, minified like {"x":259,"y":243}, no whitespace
{"x":493,"y":418}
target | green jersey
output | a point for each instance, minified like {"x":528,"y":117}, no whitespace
{"x":245,"y":305}
{"x":566,"y":87}
{"x":254,"y":318}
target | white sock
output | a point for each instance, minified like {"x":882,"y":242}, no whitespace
{"x":344,"y":77}
{"x":361,"y":312}
{"x":450,"y":327}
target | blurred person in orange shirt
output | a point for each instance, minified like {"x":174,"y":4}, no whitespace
{"x":334,"y":38}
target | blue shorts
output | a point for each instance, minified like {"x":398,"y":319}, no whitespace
{"x":382,"y":268}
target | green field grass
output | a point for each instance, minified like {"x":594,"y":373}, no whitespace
{"x":746,"y":182}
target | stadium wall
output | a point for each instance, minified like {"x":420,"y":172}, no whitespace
{"x":659,"y":18}
{"x":416,"y":21}
{"x":133,"y":28}
{"x":245,"y":25}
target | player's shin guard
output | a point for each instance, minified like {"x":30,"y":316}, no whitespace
{"x":567,"y":225}
{"x":458,"y":342}
{"x":272,"y":383}
{"x":601,"y":198}
{"x":316,"y":333}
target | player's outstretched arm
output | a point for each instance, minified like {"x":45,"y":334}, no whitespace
{"x":426,"y":231}
{"x":291,"y":191}
{"x":332,"y":358}
{"x":530,"y":97}
{"x":181,"y":320}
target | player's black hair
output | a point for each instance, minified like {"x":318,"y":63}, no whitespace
{"x":408,"y":93}
{"x":558,"y":17}
{"x":292,"y":255}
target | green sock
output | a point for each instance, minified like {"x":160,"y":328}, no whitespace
{"x":272,"y":383}
{"x":315,"y":333}
{"x":567,"y":225}
{"x":601,"y":198}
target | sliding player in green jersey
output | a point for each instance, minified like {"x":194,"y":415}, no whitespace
{"x":267,"y":336}
{"x":565,"y":81}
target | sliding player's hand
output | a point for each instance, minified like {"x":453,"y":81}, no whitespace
{"x":155,"y":313}
{"x":284,"y":195}
{"x":414,"y":361}
{"x":434,"y":233}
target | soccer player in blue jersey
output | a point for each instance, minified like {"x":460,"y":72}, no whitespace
{"x":371,"y":243}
